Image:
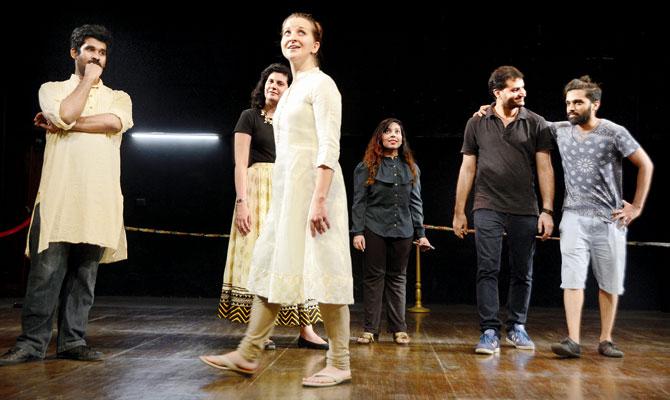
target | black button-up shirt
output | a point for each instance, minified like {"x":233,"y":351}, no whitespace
{"x":392,"y":205}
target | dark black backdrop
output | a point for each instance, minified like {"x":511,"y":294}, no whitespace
{"x":191,"y":70}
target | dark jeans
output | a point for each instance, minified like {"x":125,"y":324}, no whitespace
{"x":521,"y":230}
{"x":63,"y":275}
{"x":385,"y":275}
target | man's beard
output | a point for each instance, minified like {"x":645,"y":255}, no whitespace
{"x":82,"y":65}
{"x":580,"y":119}
{"x":512,"y":103}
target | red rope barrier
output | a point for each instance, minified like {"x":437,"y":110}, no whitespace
{"x":17,"y":228}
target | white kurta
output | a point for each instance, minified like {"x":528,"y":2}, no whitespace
{"x":80,"y":189}
{"x":288,"y":265}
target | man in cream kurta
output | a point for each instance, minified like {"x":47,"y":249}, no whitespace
{"x":78,"y":217}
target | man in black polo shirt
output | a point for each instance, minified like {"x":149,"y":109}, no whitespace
{"x":500,"y":154}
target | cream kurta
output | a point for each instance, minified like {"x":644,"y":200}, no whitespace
{"x":290,"y":266}
{"x":80,"y":190}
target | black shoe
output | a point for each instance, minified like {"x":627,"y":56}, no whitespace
{"x":567,"y":348}
{"x":81,"y":353}
{"x":304,"y":343}
{"x":270,"y":345}
{"x":17,"y":355}
{"x":609,"y":349}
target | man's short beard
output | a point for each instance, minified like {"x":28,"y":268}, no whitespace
{"x":512,"y":104}
{"x":580,"y":119}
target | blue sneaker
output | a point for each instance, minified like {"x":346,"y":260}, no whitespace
{"x":518,"y":337}
{"x":488,"y":343}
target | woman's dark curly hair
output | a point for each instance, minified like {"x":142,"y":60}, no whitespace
{"x":374,"y":153}
{"x":258,"y":94}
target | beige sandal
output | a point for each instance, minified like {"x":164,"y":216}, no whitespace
{"x":366,"y":338}
{"x":401,"y":338}
{"x":330,"y":380}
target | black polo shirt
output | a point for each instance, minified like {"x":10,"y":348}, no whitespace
{"x":505,"y":179}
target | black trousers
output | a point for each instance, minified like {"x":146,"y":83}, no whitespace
{"x":521,"y":230}
{"x":385,"y":275}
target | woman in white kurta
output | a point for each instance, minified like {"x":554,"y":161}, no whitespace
{"x":289,"y":265}
{"x":254,"y":160}
{"x":303,"y":249}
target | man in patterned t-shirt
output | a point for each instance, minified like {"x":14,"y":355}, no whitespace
{"x":595,"y":215}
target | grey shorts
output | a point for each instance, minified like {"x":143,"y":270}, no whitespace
{"x":589,"y":239}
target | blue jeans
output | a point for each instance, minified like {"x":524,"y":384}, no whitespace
{"x":521,"y":230}
{"x":61,"y":276}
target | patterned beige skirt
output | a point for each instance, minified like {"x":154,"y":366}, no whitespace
{"x":235,"y":302}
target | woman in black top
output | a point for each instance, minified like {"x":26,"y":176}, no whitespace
{"x":254,"y":148}
{"x":387,"y":215}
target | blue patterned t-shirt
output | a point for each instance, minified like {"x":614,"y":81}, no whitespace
{"x":592,"y":165}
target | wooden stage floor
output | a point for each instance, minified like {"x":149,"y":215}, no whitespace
{"x":152,"y":347}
